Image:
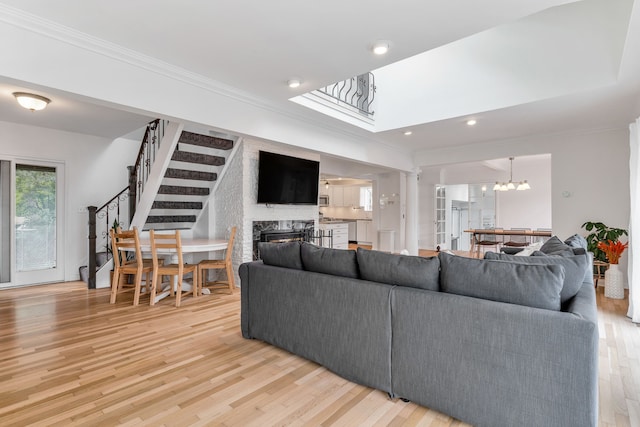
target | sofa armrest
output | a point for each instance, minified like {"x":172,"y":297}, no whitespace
{"x":243,"y":272}
{"x":583,"y":304}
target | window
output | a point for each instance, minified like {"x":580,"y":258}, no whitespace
{"x":366,"y":198}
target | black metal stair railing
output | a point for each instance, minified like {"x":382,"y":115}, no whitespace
{"x":113,"y":214}
{"x":139,"y":173}
{"x":357,"y":92}
{"x":119,"y":210}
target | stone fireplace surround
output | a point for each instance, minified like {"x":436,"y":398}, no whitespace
{"x":284,"y":230}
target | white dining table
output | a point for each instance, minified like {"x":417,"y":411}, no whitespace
{"x":189,"y":245}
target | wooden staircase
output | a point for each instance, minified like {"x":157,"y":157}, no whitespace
{"x":190,"y":177}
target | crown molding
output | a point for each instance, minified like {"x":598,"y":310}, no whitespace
{"x":54,"y":30}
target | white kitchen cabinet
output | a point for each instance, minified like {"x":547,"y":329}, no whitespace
{"x":340,"y":235}
{"x":352,"y":196}
{"x":365,"y":232}
{"x":336,"y":196}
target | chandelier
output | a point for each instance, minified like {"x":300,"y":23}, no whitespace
{"x":506,"y":186}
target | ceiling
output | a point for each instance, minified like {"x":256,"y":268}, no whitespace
{"x":255,"y":47}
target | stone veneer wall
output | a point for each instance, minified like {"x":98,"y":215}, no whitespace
{"x":228,"y":208}
{"x":235,"y":198}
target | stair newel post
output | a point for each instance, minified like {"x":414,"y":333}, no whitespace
{"x":92,"y":247}
{"x":133,"y":191}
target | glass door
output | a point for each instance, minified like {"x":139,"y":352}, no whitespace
{"x":38,"y":223}
{"x":5,"y":222}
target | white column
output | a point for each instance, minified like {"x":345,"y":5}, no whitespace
{"x":411,"y":230}
{"x":634,"y":223}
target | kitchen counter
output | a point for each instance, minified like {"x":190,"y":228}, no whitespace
{"x":341,"y":221}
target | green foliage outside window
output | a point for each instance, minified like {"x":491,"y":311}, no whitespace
{"x":36,"y":194}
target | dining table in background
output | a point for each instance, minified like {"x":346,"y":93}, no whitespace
{"x":189,"y":246}
{"x":502,"y":232}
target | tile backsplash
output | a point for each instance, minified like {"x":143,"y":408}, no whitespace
{"x":345,"y":213}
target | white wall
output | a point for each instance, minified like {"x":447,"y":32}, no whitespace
{"x":95,"y":171}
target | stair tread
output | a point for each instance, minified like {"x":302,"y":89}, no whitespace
{"x":178,"y":189}
{"x":169,"y":204}
{"x":204,"y":159}
{"x":154,"y":219}
{"x":190,"y":174}
{"x":187,"y":137}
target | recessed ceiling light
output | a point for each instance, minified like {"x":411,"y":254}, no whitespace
{"x":407,"y":132}
{"x":471,"y":122}
{"x":293,"y":83}
{"x":380,"y":47}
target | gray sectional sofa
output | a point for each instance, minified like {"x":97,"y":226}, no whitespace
{"x":504,"y":342}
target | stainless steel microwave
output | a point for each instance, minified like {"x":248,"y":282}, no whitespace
{"x":323,"y":200}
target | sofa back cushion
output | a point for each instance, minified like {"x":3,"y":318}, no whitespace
{"x":588,"y":272}
{"x":532,"y":285}
{"x":338,"y":262}
{"x":402,"y":270}
{"x":574,"y":269}
{"x":285,"y":254}
{"x":555,"y":246}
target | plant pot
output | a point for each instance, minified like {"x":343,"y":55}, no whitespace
{"x":613,"y":284}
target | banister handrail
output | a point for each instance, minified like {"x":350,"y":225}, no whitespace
{"x":117,"y":196}
{"x":144,"y":138}
{"x":123,"y":212}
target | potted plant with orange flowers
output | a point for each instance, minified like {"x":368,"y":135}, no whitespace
{"x":614,"y":287}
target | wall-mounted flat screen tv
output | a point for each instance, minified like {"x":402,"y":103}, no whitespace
{"x":286,"y":180}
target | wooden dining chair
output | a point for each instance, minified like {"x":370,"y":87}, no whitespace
{"x":123,"y":243}
{"x":219,"y":264}
{"x":485,"y":240}
{"x":170,"y":243}
{"x":518,"y":241}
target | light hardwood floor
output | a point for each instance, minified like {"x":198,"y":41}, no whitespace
{"x":68,"y":357}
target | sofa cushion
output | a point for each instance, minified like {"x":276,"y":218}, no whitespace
{"x":402,"y":270}
{"x":338,"y":262}
{"x":574,"y":269}
{"x":533,"y":285}
{"x":285,"y":254}
{"x":576,"y":241}
{"x":588,"y":271}
{"x":555,"y":246}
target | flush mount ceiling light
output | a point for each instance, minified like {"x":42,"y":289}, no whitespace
{"x":380,"y":47}
{"x":471,"y":122}
{"x":506,"y":186}
{"x":30,"y":101}
{"x":294,"y":83}
{"x":407,"y":132}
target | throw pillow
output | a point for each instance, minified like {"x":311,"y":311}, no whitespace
{"x":576,"y":241}
{"x":555,"y":246}
{"x":284,"y":254}
{"x":402,"y":270}
{"x":574,"y":268}
{"x":338,"y":262}
{"x":532,"y":285}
